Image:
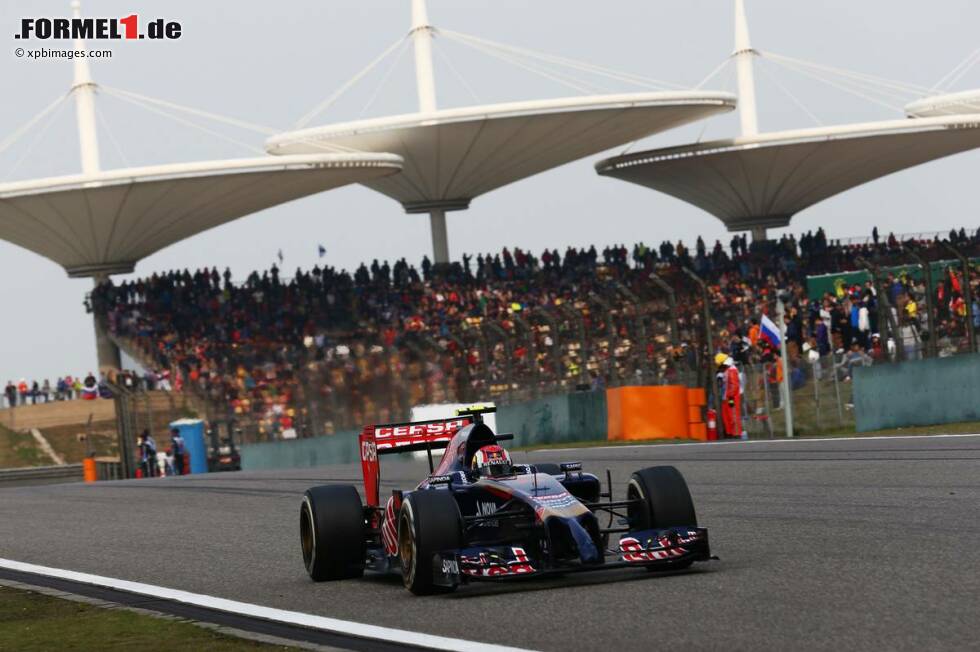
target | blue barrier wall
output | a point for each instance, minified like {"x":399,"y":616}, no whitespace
{"x":917,"y":393}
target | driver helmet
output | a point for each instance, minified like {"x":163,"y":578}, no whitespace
{"x":492,"y":461}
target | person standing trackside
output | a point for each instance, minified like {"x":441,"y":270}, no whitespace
{"x":731,"y":393}
{"x":148,"y":454}
{"x":178,"y":450}
{"x":11,"y":391}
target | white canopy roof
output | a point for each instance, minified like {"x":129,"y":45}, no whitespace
{"x":948,"y":104}
{"x":104,"y":223}
{"x":454,"y":155}
{"x":762,"y":181}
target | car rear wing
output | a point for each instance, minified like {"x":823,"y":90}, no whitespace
{"x":386,"y":439}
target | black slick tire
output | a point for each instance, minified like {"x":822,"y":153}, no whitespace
{"x":429,"y":522}
{"x":332,"y":533}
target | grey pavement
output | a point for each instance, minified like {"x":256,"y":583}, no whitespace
{"x":838,"y":544}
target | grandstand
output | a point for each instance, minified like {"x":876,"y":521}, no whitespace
{"x":328,"y":350}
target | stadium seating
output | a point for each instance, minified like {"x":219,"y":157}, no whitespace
{"x":327,"y":350}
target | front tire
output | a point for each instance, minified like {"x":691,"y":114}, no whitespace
{"x":664,"y":501}
{"x":331,"y":529}
{"x":429,"y":523}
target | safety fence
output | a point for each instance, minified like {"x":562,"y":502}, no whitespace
{"x":820,"y":397}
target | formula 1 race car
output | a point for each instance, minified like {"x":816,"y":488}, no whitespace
{"x":478,"y":516}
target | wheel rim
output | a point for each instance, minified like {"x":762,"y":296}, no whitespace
{"x":307,"y":536}
{"x":406,"y":548}
{"x":635,"y":512}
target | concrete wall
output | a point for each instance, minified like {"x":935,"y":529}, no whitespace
{"x":550,"y":420}
{"x":917,"y":393}
{"x":555,"y":419}
{"x":301,"y":453}
{"x":560,"y":419}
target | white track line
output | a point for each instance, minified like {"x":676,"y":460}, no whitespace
{"x":735,"y":442}
{"x":335,"y":625}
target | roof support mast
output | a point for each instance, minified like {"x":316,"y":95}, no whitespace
{"x":83,"y":88}
{"x":747,"y":113}
{"x":422,"y":40}
{"x":426,"y":85}
{"x":746,"y":79}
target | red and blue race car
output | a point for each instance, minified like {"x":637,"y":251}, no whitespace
{"x":478,"y":516}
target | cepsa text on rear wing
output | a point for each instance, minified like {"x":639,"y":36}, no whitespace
{"x":385,"y":439}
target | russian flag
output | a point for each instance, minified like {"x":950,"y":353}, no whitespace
{"x":769,"y":331}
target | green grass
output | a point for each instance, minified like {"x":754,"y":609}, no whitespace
{"x":64,"y":439}
{"x":963,"y":428}
{"x":31,"y":621}
{"x":19,"y":449}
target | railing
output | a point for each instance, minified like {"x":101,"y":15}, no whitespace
{"x":41,"y":475}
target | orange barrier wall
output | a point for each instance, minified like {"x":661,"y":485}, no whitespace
{"x":698,"y":431}
{"x":659,"y":412}
{"x":696,"y":396}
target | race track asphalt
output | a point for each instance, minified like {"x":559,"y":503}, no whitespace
{"x":824,"y":544}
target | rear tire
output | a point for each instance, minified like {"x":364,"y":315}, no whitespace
{"x":331,"y":528}
{"x":429,"y":522}
{"x":666,"y":501}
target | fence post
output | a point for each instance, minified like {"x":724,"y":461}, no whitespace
{"x":640,"y":329}
{"x":709,"y":338}
{"x":967,"y":293}
{"x":816,"y":388}
{"x":784,"y":361}
{"x":765,"y":398}
{"x":612,"y":337}
{"x":675,"y":336}
{"x":532,"y":354}
{"x":548,"y":318}
{"x":576,"y":318}
{"x":840,"y":408}
{"x":463,"y":380}
{"x":930,"y":314}
{"x":508,"y":355}
{"x":124,"y":430}
{"x":885,"y":316}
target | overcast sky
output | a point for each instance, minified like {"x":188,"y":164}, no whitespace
{"x":271,"y":62}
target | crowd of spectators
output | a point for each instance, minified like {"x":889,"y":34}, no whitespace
{"x":88,"y":387}
{"x":65,"y":388}
{"x":327,"y":349}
